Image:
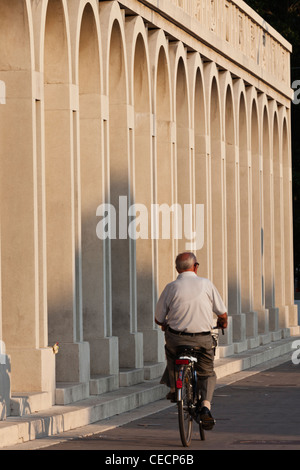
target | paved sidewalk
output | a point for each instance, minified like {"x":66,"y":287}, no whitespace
{"x":255,"y":409}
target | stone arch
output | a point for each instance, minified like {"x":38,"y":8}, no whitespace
{"x":87,"y":12}
{"x":137,"y":44}
{"x":16,"y":26}
{"x":111,"y":16}
{"x":56,"y":64}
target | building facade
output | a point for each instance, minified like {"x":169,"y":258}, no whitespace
{"x":131,"y":131}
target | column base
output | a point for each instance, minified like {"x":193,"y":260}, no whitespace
{"x":293,"y":315}
{"x":263,"y":320}
{"x":154,"y":341}
{"x":251,"y":325}
{"x":73,"y":362}
{"x":273,"y":318}
{"x":239,"y":327}
{"x":292,"y":319}
{"x":33,"y":370}
{"x":284,"y":316}
{"x":104,"y":356}
{"x":131,"y":353}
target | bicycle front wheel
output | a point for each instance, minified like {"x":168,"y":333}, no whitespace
{"x":185,"y":419}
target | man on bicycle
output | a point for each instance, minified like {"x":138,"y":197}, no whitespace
{"x":185,"y":311}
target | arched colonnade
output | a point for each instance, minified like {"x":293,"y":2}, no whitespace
{"x":104,"y":108}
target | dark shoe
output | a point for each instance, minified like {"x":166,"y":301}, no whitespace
{"x":171,"y":396}
{"x":206,"y":418}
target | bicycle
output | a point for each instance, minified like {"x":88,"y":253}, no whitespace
{"x":186,"y":390}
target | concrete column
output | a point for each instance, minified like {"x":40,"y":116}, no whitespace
{"x":5,"y":380}
{"x":163,"y":170}
{"x":268,"y":226}
{"x":201,"y":150}
{"x":183,"y":184}
{"x":92,"y":130}
{"x":233,"y":247}
{"x":244,"y":158}
{"x":256,"y":222}
{"x":121,"y":120}
{"x":23,"y":321}
{"x":219,"y":276}
{"x":232,"y":208}
{"x":61,"y":170}
{"x":5,"y":366}
{"x":278,"y":219}
{"x":142,"y":178}
{"x":289,"y":313}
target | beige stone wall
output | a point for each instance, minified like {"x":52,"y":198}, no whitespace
{"x":169,"y":102}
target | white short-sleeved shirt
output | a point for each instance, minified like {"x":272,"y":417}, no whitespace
{"x":188,"y":304}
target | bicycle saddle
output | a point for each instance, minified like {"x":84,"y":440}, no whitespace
{"x":188,"y":349}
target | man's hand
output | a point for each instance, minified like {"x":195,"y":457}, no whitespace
{"x":163,"y":325}
{"x":222,"y":321}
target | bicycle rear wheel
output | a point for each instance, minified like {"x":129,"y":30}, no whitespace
{"x":185,"y":419}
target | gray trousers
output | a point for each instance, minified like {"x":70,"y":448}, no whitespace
{"x":204,"y":367}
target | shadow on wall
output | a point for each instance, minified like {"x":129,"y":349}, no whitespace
{"x":113,"y":297}
{"x":130,"y":274}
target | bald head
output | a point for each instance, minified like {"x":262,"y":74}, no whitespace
{"x":186,"y":262}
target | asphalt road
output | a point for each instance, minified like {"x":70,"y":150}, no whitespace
{"x":259,"y":412}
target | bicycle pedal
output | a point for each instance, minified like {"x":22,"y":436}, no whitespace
{"x":208,"y":426}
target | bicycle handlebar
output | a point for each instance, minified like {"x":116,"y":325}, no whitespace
{"x":217,"y":328}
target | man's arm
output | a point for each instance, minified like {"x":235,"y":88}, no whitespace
{"x":161,"y":310}
{"x":163,"y":325}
